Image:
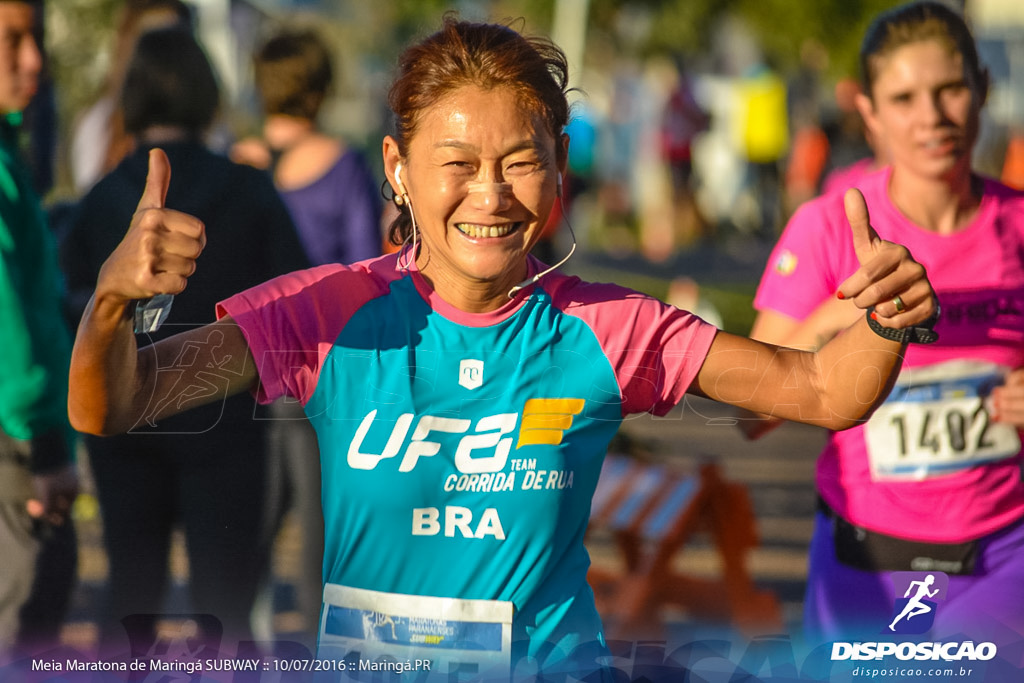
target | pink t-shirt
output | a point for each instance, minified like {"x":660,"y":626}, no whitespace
{"x":930,"y":465}
{"x":426,"y":414}
{"x":292,"y":322}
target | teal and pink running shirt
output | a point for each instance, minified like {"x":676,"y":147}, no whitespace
{"x":460,"y":451}
{"x":932,"y":464}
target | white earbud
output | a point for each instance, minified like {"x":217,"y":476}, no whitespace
{"x":403,"y":198}
{"x":398,"y":179}
{"x":559,"y":190}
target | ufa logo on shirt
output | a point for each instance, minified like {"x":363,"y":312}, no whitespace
{"x":484,"y":444}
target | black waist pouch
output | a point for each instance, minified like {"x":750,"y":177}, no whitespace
{"x":868,"y":550}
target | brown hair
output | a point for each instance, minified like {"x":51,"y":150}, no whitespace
{"x":914,"y":23}
{"x":293,"y":74}
{"x":488,"y":56}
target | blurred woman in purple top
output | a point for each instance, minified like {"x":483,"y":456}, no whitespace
{"x":326,"y":184}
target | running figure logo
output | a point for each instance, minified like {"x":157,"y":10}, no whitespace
{"x":915,"y":611}
{"x":378,"y":620}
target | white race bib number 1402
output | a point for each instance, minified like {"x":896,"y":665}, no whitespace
{"x":936,"y":421}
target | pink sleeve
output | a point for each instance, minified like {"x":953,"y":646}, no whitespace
{"x":810,"y":261}
{"x":292,"y":321}
{"x":655,"y":350}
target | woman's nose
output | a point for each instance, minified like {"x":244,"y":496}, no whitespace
{"x":490,"y":196}
{"x":932,"y":109}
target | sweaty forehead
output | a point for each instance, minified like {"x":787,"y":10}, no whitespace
{"x":939,"y":44}
{"x":479,"y":120}
{"x":920,"y":63}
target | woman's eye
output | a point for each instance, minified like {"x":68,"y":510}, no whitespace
{"x":460,"y":167}
{"x":956,"y":90}
{"x":520,"y":167}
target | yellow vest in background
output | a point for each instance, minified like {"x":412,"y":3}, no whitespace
{"x":764,"y":121}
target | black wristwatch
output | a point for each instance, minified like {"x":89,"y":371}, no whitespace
{"x":923,"y":333}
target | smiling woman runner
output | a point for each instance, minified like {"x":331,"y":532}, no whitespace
{"x":932,"y":481}
{"x":461,"y":354}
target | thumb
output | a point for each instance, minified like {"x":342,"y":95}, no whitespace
{"x":864,"y":236}
{"x":154,"y":196}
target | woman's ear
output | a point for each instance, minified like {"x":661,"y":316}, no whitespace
{"x":562,"y":154}
{"x":866,"y":109}
{"x":984,"y":83}
{"x":392,"y":165}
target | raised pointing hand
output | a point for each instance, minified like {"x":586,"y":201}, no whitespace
{"x":865,"y":239}
{"x":888,"y":278}
{"x":158,"y":180}
{"x":159,"y":251}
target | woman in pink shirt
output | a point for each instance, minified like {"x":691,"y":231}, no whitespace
{"x":931,"y":482}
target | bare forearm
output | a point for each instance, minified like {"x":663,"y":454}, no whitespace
{"x":857,"y":370}
{"x":114,"y":384}
{"x":156,"y":256}
{"x":840,"y":384}
{"x":104,"y":378}
{"x":835,"y":387}
{"x":811,"y":334}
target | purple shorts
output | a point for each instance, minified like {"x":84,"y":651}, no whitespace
{"x":843,"y":603}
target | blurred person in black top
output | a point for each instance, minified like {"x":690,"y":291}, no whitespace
{"x":199,"y":469}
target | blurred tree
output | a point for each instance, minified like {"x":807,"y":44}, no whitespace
{"x":687,"y":26}
{"x":411,"y":19}
{"x":79,"y":33}
{"x":783,"y":25}
{"x":79,"y":37}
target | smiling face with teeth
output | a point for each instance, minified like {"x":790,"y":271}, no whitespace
{"x":481,"y":175}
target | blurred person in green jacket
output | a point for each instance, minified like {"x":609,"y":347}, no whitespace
{"x":38,"y":482}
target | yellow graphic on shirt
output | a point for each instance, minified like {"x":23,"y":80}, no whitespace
{"x":545,"y":420}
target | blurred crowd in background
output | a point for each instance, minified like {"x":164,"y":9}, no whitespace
{"x":694,"y":122}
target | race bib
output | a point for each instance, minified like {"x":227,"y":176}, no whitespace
{"x":426,"y":638}
{"x":936,"y":421}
